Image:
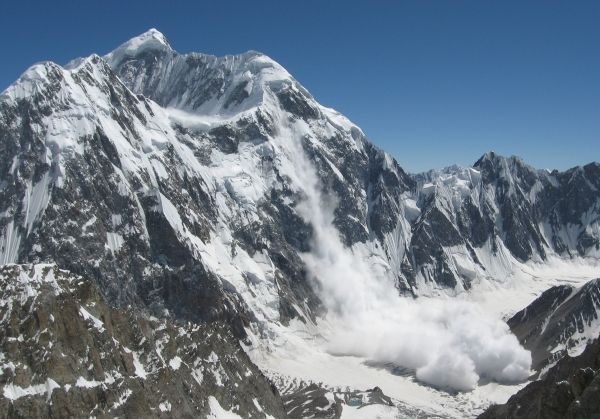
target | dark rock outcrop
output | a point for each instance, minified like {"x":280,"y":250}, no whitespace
{"x":570,"y":389}
{"x":560,"y":319}
{"x":66,"y":353}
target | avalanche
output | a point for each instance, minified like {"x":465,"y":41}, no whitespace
{"x":217,"y":189}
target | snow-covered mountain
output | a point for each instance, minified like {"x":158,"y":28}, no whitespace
{"x":217,"y":189}
{"x":562,"y":320}
{"x":568,"y":390}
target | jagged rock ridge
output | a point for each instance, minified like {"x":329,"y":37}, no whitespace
{"x":129,"y":167}
{"x":568,"y":390}
{"x":561,"y":321}
{"x":66,"y":353}
{"x":171,"y":182}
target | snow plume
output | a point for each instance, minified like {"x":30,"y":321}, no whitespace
{"x":448,"y":343}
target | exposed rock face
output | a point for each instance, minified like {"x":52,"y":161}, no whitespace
{"x":569,"y":390}
{"x":507,"y":209}
{"x":562,"y":320}
{"x":137,"y":168}
{"x":173,"y":183}
{"x":66,"y":353}
{"x":66,"y":198}
{"x":148,"y":171}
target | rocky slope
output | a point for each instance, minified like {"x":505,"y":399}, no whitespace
{"x":489,"y":218}
{"x":150,"y":171}
{"x":561,"y":329}
{"x":569,"y":390}
{"x":561,"y":321}
{"x":177,"y":185}
{"x":66,"y":353}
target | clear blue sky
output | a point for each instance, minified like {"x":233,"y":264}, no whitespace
{"x":432,"y":82}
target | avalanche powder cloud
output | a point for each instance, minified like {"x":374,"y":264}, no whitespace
{"x":448,"y":343}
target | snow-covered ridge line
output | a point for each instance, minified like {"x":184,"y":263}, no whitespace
{"x":222,"y":118}
{"x":227,"y":118}
{"x":170,"y":179}
{"x":562,"y":320}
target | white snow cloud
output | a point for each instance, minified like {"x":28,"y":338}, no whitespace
{"x":449,"y":343}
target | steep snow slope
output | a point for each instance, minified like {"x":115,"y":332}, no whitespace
{"x":216,"y":188}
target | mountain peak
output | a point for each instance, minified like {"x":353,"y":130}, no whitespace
{"x":488,"y":156}
{"x":154,"y":33}
{"x":495,"y":158}
{"x":202,"y":83}
{"x":152,"y":36}
{"x":152,"y":39}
